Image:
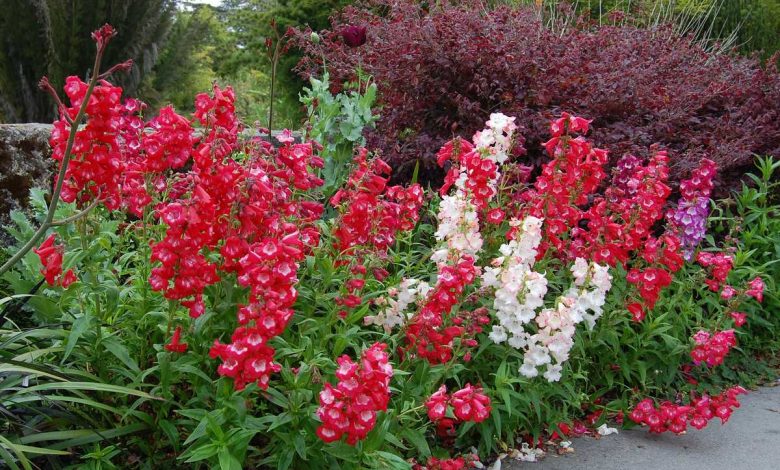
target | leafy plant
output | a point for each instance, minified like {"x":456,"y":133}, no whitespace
{"x":338,"y":124}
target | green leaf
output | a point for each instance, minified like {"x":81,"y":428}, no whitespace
{"x":38,"y":450}
{"x":90,"y":387}
{"x":100,"y":435}
{"x":120,"y":351}
{"x":395,"y":461}
{"x":227,"y":461}
{"x":280,"y":420}
{"x":171,"y":432}
{"x":417,"y":438}
{"x":79,"y":327}
{"x":286,"y":459}
{"x":202,"y":453}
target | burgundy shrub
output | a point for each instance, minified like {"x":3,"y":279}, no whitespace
{"x":442,"y":71}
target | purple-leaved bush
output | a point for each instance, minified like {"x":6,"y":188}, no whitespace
{"x":442,"y":71}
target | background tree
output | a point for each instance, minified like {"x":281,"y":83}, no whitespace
{"x":52,"y":38}
{"x":186,"y":65}
{"x":248,"y":66}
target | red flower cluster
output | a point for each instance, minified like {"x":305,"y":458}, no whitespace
{"x":451,"y":152}
{"x":700,"y":183}
{"x":371,"y":216}
{"x":458,"y":463}
{"x":217,"y":114}
{"x":620,"y":223}
{"x":712,"y":349}
{"x":185,"y":271}
{"x":135,"y":196}
{"x":739,"y":318}
{"x":270,"y":229}
{"x":372,"y":213}
{"x":273,"y":232}
{"x":97,"y":163}
{"x":675,"y":418}
{"x":468,"y":404}
{"x":663,"y":258}
{"x":363,"y":389}
{"x":756,"y":289}
{"x":564,"y":185}
{"x":51,"y":259}
{"x":169,"y":142}
{"x":616,"y":227}
{"x":480,"y":173}
{"x":176,"y":345}
{"x":719,"y":266}
{"x":427,"y":335}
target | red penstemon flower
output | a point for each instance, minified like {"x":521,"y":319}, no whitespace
{"x":51,"y":256}
{"x":97,"y":162}
{"x":457,"y":463}
{"x":675,"y":418}
{"x":756,"y":289}
{"x":712,"y":349}
{"x":427,"y":335}
{"x":271,"y":229}
{"x":719,"y":266}
{"x":739,"y":318}
{"x":363,"y":388}
{"x":468,"y":404}
{"x":175,"y":345}
{"x":371,"y":216}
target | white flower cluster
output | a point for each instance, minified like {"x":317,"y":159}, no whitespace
{"x":496,"y":140}
{"x":406,"y":294}
{"x":551,"y":344}
{"x":520,"y":291}
{"x":458,"y":220}
{"x":458,"y":226}
{"x":591,"y":284}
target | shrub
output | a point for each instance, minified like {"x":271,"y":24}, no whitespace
{"x":442,"y":71}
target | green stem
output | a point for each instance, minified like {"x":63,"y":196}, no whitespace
{"x":77,"y":216}
{"x":274,"y":62}
{"x":47,"y":223}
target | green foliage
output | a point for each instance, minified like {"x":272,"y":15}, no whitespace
{"x":250,"y":24}
{"x":751,"y":220}
{"x":52,"y":38}
{"x":85,"y":381}
{"x":337,"y":123}
{"x":749,"y":25}
{"x":186,"y":63}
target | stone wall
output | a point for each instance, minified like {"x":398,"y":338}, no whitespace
{"x":25,"y":163}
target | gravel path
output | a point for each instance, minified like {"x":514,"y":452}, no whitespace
{"x":750,"y":440}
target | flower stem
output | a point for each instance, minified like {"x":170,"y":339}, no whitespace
{"x":55,"y":198}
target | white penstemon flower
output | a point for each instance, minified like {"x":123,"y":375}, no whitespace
{"x":551,"y":344}
{"x":520,"y":291}
{"x":458,"y":227}
{"x":458,"y":224}
{"x":408,"y":292}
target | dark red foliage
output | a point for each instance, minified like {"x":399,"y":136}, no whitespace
{"x":442,"y":71}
